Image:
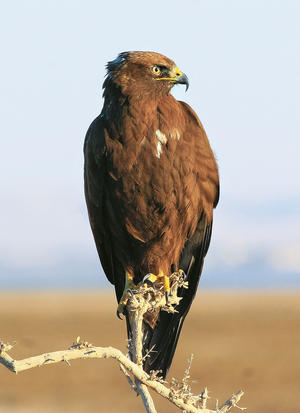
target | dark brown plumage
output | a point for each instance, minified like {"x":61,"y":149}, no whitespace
{"x":151,"y":182}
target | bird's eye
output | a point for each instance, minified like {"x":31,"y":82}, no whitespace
{"x":155,"y":70}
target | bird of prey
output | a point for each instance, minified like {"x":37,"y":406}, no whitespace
{"x":151,"y":183}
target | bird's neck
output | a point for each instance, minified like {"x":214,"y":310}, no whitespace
{"x":118,"y":109}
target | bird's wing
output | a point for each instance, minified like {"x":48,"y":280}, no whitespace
{"x":97,"y":199}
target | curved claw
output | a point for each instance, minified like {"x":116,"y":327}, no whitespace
{"x":167,"y":293}
{"x":183,"y":275}
{"x":118,"y":315}
{"x":131,"y":292}
{"x":146,"y":280}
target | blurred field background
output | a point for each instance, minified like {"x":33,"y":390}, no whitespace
{"x":239,"y":340}
{"x":243,"y":63}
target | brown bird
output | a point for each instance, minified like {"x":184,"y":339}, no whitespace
{"x":151,"y":183}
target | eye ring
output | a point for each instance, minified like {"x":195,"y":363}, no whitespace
{"x":155,"y":70}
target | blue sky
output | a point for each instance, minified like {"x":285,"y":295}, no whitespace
{"x":243,"y":62}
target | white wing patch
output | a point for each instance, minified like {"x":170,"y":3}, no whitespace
{"x":162,"y":140}
{"x":174,"y":134}
{"x":177,"y":134}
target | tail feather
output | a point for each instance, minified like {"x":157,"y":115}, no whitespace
{"x":164,"y":341}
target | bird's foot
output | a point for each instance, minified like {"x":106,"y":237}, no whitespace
{"x":129,"y":290}
{"x":160,"y":281}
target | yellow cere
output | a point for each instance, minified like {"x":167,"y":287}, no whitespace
{"x":174,"y":74}
{"x":178,"y":72}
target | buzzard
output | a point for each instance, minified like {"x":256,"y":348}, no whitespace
{"x":151,"y":183}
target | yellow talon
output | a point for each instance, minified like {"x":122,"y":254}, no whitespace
{"x":166,"y":284}
{"x":151,"y":278}
{"x":159,"y":279}
{"x":129,"y":286}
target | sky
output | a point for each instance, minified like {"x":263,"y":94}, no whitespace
{"x":243,"y":63}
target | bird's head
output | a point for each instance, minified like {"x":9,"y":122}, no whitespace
{"x":144,"y":73}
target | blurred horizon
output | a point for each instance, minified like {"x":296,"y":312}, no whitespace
{"x":243,"y":63}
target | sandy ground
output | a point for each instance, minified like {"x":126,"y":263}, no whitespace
{"x":240,"y":340}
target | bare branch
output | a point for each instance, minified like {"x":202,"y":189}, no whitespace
{"x":232,"y":402}
{"x":79,"y":351}
{"x":127,"y":375}
{"x":179,"y":393}
{"x":147,"y":299}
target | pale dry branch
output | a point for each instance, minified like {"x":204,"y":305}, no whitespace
{"x":204,"y":397}
{"x":127,"y":375}
{"x":147,"y":300}
{"x":179,"y":393}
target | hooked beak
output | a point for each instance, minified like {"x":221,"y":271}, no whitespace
{"x":182,"y":80}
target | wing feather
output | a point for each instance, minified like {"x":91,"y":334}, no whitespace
{"x":98,"y":201}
